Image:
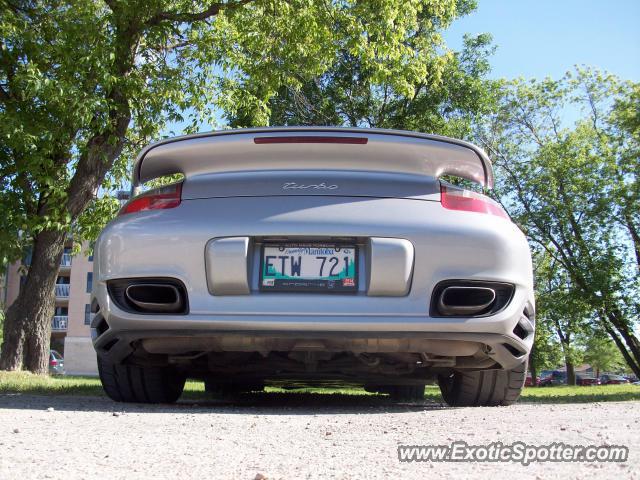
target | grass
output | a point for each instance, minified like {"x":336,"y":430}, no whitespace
{"x":596,"y":393}
{"x":28,"y":383}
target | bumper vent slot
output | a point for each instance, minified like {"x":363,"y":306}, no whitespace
{"x":513,"y":350}
{"x":98,"y":324}
{"x":520,"y":332}
{"x":469,"y":298}
{"x":525,"y":326}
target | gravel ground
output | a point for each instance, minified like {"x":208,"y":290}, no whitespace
{"x":293,"y":436}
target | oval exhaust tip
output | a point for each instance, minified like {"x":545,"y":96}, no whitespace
{"x":465,"y":300}
{"x":155,"y":298}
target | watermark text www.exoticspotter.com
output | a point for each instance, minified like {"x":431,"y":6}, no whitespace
{"x":517,"y":452}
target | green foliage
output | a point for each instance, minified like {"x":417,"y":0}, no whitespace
{"x":421,"y":85}
{"x":603,"y":355}
{"x":573,"y":189}
{"x":547,"y":351}
{"x":85,"y":85}
{"x":561,"y":313}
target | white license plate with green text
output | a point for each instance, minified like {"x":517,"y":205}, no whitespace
{"x":309,"y":268}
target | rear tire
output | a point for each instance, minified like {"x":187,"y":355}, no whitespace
{"x":134,"y":384}
{"x":485,"y":388}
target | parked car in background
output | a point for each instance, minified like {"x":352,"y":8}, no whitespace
{"x":554,"y":378}
{"x":56,"y":363}
{"x":587,"y":380}
{"x":608,"y":379}
{"x":528,"y":382}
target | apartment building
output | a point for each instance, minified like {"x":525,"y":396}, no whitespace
{"x":70,"y":334}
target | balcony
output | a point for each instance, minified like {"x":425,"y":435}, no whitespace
{"x":65,"y":261}
{"x":59,"y":323}
{"x":62,"y":290}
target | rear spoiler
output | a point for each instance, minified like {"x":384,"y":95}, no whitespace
{"x":313,"y":148}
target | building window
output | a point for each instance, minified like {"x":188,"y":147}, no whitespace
{"x":27,"y":258}
{"x":91,"y":247}
{"x":89,"y":282}
{"x":87,"y":314}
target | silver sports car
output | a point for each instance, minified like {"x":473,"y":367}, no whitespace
{"x":313,"y":256}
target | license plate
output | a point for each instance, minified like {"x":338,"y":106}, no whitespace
{"x":309,"y":268}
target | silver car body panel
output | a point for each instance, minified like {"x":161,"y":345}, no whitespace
{"x":311,"y":183}
{"x":227,"y":265}
{"x":390,"y":262}
{"x":384,"y":151}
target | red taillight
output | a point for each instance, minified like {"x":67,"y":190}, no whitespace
{"x":53,"y":363}
{"x":157,"y":199}
{"x":469,"y":201}
{"x":311,"y":139}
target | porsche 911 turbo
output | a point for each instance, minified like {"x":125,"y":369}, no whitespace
{"x":313,"y":256}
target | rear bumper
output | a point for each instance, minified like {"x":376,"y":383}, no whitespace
{"x":447,"y":245}
{"x":117,"y":334}
{"x":498,"y":348}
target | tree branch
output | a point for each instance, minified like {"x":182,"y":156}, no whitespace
{"x":183,"y":17}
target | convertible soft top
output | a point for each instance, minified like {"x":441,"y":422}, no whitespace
{"x":313,"y":148}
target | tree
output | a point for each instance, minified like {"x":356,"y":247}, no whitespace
{"x":433,"y":90}
{"x":573,"y":189}
{"x":560,"y":318}
{"x":546,"y":352}
{"x":602,"y":354}
{"x":83,"y":84}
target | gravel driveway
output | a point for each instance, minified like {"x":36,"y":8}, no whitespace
{"x":293,"y":436}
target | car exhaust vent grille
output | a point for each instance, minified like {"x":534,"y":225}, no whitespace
{"x":149,"y":296}
{"x":95,"y":306}
{"x":525,"y":326}
{"x":520,"y":332}
{"x":109,"y":345}
{"x":98,"y":324}
{"x":101,"y":325}
{"x":469,"y":298}
{"x":513,"y":350}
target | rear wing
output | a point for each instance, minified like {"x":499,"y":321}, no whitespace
{"x":313,"y":148}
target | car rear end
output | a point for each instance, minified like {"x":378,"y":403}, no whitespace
{"x":56,"y":363}
{"x":314,"y":256}
{"x":587,"y":380}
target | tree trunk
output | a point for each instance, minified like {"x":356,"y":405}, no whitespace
{"x":629,"y":338}
{"x":13,"y":341}
{"x":533,"y":370}
{"x":28,"y":320}
{"x":633,"y":364}
{"x":568,"y":362}
{"x":571,"y":373}
{"x":565,"y":342}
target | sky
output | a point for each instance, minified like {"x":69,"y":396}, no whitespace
{"x":546,"y":38}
